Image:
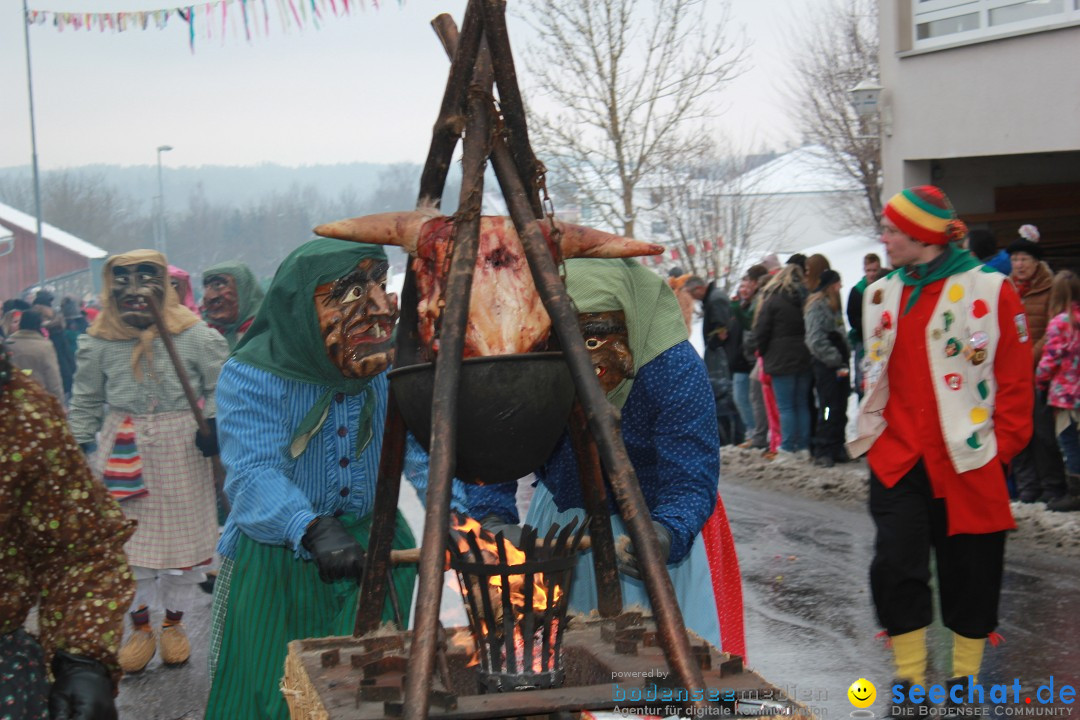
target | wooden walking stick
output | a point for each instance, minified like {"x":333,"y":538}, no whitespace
{"x":189,"y":393}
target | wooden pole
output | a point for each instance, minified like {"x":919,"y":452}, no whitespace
{"x":451,"y":121}
{"x":445,"y":395}
{"x":510,"y":102}
{"x":412,"y":555}
{"x":376,"y":581}
{"x":447,"y":130}
{"x":609,"y":602}
{"x":602,"y":419}
{"x":192,"y":399}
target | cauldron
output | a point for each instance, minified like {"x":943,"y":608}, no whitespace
{"x":511,"y":411}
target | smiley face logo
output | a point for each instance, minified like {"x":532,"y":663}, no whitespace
{"x":862,"y":693}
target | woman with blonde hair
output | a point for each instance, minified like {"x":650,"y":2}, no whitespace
{"x":780,"y":334}
{"x":1058,"y":375}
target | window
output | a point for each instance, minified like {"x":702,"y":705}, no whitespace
{"x":937,"y":23}
{"x":658,"y":227}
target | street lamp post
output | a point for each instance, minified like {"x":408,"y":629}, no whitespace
{"x":160,"y":240}
{"x":40,"y":241}
{"x":866,"y":100}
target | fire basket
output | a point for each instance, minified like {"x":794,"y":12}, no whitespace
{"x":516,"y":601}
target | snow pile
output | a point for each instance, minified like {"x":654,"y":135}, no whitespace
{"x":849,"y":483}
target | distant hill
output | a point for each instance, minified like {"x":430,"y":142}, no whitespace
{"x":227,"y":185}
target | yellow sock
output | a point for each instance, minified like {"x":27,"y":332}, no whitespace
{"x":967,"y":656}
{"x":909,"y":653}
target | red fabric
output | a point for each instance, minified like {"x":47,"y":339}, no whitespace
{"x":976,"y":501}
{"x":726,"y":580}
{"x":772,"y":413}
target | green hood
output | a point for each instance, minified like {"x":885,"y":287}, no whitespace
{"x":249,"y":295}
{"x":654,"y":321}
{"x":285,"y":339}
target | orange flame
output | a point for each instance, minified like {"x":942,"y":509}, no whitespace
{"x":489,"y":550}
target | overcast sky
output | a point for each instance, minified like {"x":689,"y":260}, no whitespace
{"x":364,"y":87}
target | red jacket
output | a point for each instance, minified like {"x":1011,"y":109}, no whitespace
{"x":976,"y":501}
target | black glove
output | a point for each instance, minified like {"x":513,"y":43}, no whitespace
{"x":627,"y":559}
{"x":335,"y":552}
{"x":495,"y":525}
{"x":207,"y":444}
{"x":83,"y":689}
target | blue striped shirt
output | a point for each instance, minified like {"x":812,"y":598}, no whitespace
{"x":274,"y":498}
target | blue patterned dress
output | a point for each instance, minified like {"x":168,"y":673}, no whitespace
{"x":669,"y":429}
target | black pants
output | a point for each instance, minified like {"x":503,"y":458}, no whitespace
{"x":832,"y":396}
{"x":1039,"y":467}
{"x":910,"y":521}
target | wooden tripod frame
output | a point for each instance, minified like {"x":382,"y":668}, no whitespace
{"x":480,"y":56}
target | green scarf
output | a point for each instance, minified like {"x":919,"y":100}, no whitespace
{"x":249,"y":295}
{"x":654,"y":321}
{"x":952,"y":261}
{"x":285,"y":338}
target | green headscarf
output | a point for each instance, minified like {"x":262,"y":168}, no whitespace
{"x":285,"y":338}
{"x":249,"y":295}
{"x":952,"y":261}
{"x":654,"y":322}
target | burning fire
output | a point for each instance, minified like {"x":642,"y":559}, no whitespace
{"x":461,"y":527}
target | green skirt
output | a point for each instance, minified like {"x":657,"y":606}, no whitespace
{"x":269,"y":599}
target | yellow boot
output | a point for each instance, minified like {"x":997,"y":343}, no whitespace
{"x":967,"y":656}
{"x":909,"y":653}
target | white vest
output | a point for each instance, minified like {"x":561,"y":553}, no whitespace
{"x":961,"y":343}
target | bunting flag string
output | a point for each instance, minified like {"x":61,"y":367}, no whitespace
{"x":250,"y":15}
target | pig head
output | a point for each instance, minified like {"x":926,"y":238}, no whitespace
{"x":506,"y":315}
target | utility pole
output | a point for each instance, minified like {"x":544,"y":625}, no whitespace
{"x":33,"y":149}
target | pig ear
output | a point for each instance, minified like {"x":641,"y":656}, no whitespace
{"x":397,"y":228}
{"x":579,"y":241}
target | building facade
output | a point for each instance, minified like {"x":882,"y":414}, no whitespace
{"x":72,"y":266}
{"x":982,"y":98}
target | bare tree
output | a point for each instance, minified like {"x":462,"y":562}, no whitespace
{"x":84,"y":204}
{"x":709,"y":208}
{"x":628,"y":85}
{"x":836,"y":48}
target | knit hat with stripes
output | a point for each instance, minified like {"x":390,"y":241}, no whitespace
{"x":925,"y":214}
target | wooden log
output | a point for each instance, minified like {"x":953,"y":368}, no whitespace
{"x":192,"y":399}
{"x":603,"y":423}
{"x":513,"y":107}
{"x":412,"y":555}
{"x":445,"y":395}
{"x":609,"y":602}
{"x":451,"y":120}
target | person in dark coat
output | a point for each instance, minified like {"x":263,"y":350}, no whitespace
{"x":716,"y":327}
{"x":829,"y":359}
{"x":780,"y":334}
{"x":54,"y":326}
{"x":871,"y":272}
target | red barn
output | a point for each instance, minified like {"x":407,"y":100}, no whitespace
{"x":72,"y":266}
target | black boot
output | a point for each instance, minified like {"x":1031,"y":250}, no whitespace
{"x":904,"y":709}
{"x":1070,"y":502}
{"x":964,"y":708}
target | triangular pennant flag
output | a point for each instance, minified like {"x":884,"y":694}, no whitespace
{"x":123,"y":470}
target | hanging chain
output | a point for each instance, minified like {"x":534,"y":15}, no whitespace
{"x":540,"y":186}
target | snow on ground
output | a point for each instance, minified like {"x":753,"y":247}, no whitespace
{"x":848,"y":483}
